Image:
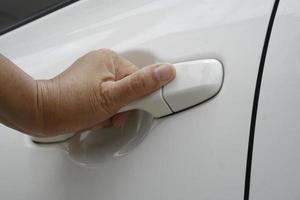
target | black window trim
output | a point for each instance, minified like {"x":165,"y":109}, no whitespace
{"x":37,"y":15}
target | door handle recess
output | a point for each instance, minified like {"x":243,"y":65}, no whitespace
{"x":196,"y":81}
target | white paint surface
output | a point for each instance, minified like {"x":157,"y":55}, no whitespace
{"x":276,"y":156}
{"x":196,"y":154}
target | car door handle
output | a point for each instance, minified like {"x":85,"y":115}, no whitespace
{"x":196,"y":81}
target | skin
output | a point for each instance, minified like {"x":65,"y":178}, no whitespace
{"x":85,"y":96}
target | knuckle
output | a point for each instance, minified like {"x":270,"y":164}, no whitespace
{"x":93,"y":53}
{"x":138,"y":84}
{"x":101,"y":53}
{"x":106,"y":52}
{"x":104,"y":56}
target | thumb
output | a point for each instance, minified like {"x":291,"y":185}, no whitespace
{"x":140,"y":83}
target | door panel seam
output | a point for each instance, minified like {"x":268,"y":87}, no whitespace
{"x":256,"y":101}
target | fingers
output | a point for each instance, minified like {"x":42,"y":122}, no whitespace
{"x":115,"y":121}
{"x":113,"y":62}
{"x":119,"y":119}
{"x":138,"y":84}
{"x":124,"y":67}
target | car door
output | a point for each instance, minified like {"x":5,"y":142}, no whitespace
{"x":275,"y":163}
{"x":199,"y":153}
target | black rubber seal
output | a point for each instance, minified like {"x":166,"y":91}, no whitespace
{"x":37,"y":15}
{"x":256,"y":101}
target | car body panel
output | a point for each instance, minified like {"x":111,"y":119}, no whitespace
{"x":199,"y":153}
{"x":276,"y":163}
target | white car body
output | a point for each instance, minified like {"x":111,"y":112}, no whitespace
{"x":200,"y":153}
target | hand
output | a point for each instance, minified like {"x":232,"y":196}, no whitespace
{"x":92,"y":90}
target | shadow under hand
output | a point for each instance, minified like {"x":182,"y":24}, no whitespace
{"x":92,"y":147}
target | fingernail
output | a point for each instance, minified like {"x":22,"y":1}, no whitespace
{"x":164,"y":72}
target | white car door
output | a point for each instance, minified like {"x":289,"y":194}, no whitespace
{"x":199,"y":153}
{"x":276,"y":161}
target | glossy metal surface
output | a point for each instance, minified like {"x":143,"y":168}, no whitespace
{"x":276,"y":163}
{"x":196,"y":154}
{"x":195,"y":82}
{"x":92,"y":148}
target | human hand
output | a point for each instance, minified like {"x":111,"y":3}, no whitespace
{"x":89,"y":93}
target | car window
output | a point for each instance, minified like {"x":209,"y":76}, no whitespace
{"x":14,"y":13}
